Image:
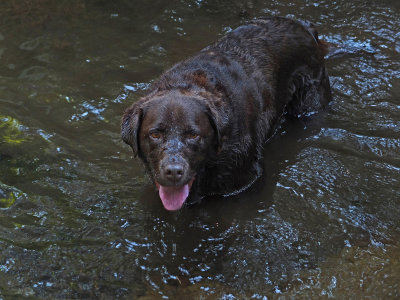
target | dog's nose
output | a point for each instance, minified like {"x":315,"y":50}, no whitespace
{"x":173,"y":172}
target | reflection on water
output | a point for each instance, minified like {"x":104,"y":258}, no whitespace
{"x":78,"y":216}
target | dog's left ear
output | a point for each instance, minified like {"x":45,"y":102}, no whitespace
{"x":130,"y":126}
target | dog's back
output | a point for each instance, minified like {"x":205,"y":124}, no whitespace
{"x":275,"y":52}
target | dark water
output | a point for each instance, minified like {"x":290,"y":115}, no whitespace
{"x":78,"y":217}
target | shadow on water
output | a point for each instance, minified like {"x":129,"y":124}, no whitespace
{"x":79,"y":218}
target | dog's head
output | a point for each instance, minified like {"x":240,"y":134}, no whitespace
{"x":174,"y":134}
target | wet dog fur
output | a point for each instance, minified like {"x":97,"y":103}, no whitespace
{"x":202,"y":126}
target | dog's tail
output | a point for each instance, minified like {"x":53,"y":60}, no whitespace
{"x":336,"y":51}
{"x":325,"y":46}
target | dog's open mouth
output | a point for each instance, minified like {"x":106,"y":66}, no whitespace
{"x":173,"y":197}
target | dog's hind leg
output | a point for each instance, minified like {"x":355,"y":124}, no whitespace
{"x":309,"y":92}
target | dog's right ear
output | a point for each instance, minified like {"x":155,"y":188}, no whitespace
{"x":130,"y":126}
{"x":216,"y":124}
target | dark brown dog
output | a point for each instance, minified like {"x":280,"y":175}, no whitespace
{"x":202,"y":127}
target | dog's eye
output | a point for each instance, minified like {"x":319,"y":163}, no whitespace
{"x":155,"y":135}
{"x":192,"y":135}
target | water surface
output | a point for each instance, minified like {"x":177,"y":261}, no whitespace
{"x":80,"y":219}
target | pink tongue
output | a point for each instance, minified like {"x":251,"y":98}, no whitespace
{"x":173,"y":197}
